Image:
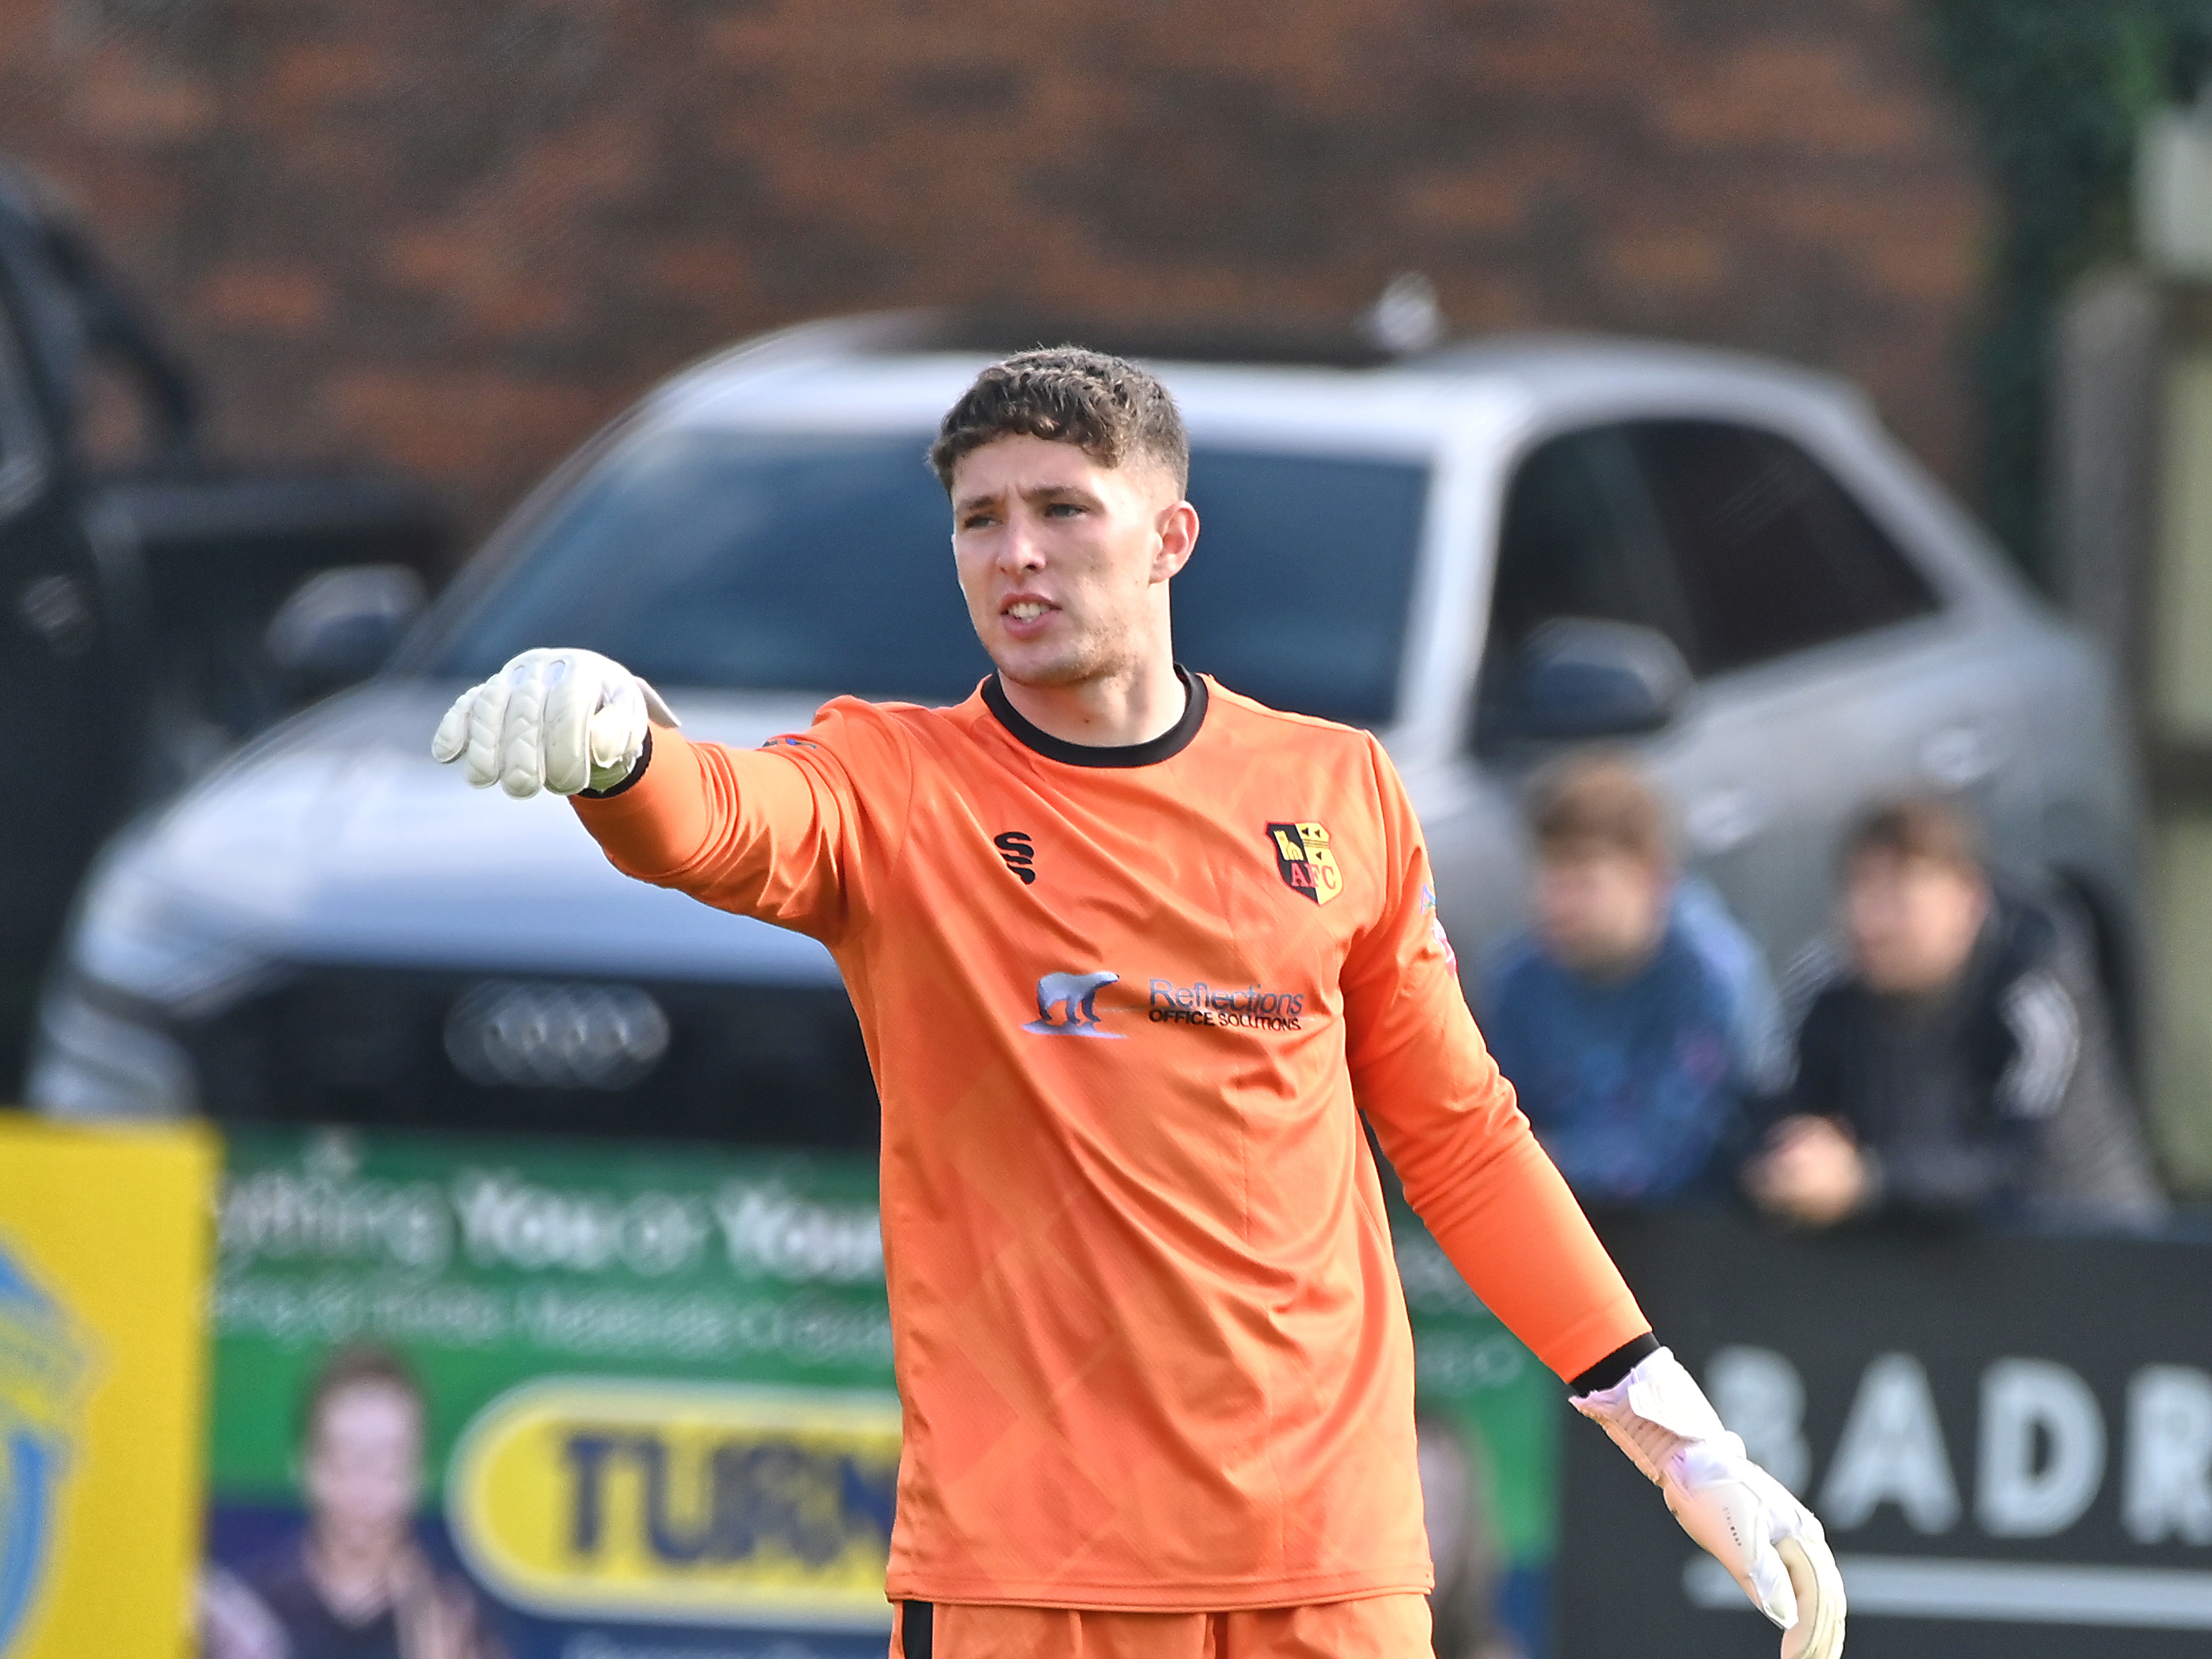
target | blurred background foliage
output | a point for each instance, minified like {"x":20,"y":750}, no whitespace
{"x":2058,"y":91}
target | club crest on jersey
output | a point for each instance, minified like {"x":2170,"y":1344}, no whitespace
{"x":1304,"y":862}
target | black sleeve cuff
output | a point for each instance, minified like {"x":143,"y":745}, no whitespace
{"x":644,"y":759}
{"x":1615,"y":1366}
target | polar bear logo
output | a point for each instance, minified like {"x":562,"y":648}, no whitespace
{"x":1075,"y":996}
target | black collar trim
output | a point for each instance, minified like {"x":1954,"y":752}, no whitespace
{"x":1166,"y":746}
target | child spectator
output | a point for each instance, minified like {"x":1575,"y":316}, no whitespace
{"x":1957,"y":1066}
{"x":1635,"y":1016}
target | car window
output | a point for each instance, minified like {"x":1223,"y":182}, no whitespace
{"x":707,"y":557}
{"x":821,"y":562}
{"x":1578,"y":538}
{"x":1772,"y":554}
{"x":1299,"y":591}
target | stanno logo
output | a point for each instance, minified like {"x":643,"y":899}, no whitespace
{"x":1304,"y":862}
{"x":1074,"y":998}
{"x":1015,"y":847}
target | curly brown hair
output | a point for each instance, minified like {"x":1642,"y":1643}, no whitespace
{"x":1108,"y":407}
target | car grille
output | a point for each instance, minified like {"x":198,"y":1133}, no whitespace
{"x":760,"y":1065}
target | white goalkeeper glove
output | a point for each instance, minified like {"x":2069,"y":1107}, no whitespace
{"x":1770,"y":1544}
{"x":560,"y":719}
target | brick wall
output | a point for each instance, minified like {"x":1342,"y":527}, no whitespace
{"x":460,"y":233}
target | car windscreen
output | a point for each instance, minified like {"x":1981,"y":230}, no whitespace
{"x":823,"y":562}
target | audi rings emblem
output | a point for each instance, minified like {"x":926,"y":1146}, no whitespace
{"x":535,"y":1035}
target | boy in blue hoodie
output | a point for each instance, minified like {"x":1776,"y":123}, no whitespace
{"x":1634,"y":1017}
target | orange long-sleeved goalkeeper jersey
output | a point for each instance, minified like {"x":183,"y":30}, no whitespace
{"x":1122,"y":1005}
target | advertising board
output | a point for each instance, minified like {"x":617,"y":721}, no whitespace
{"x":624,"y":1401}
{"x":2008,"y":1438}
{"x":103,"y":1265}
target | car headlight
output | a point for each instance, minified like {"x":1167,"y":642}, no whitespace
{"x":142,"y":957}
{"x":156,"y":943}
{"x":91,"y":1062}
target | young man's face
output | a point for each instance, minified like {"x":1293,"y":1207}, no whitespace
{"x":1912,"y":921}
{"x":1600,"y":911}
{"x":364,"y":1463}
{"x":1064,"y":563}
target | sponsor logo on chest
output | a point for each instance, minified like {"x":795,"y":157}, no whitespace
{"x":1067,"y":1002}
{"x":1252,"y":1007}
{"x":1067,"y":1006}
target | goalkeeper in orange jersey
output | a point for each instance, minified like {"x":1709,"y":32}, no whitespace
{"x":1154,"y":1359}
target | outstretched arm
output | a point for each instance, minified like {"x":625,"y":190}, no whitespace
{"x":765,"y":833}
{"x":753,"y":831}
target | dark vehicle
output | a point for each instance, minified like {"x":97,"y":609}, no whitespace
{"x":139,"y":577}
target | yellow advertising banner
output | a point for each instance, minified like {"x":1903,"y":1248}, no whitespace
{"x":105,"y":1237}
{"x":698,"y":1503}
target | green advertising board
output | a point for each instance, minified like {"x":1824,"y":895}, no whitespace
{"x":655,"y":1398}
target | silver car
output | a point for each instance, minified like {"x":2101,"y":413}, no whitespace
{"x":1482,"y":553}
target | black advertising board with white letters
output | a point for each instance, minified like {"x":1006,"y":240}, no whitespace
{"x":2008,"y":1438}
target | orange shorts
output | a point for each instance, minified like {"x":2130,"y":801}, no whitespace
{"x":1374,"y":1627}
